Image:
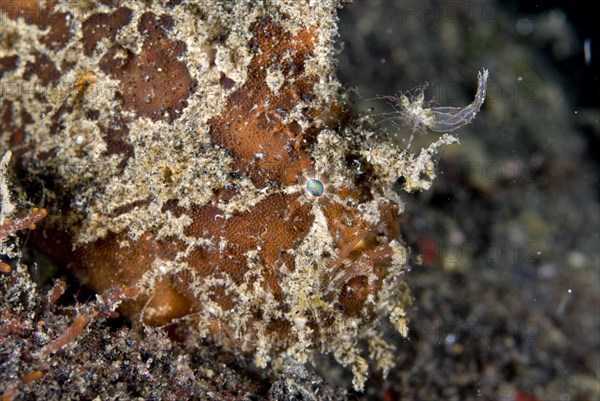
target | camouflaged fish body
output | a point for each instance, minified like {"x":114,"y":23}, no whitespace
{"x":199,"y":152}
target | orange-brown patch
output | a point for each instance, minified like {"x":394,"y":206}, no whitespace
{"x":49,"y":16}
{"x":354,"y":294}
{"x":43,"y":67}
{"x":251,"y":125}
{"x":10,"y":124}
{"x":278,"y":223}
{"x":154,"y":84}
{"x":100,"y":26}
{"x":7,"y":63}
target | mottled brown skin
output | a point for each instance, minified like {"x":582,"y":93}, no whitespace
{"x":246,"y":134}
{"x":47,"y":16}
{"x":58,"y":33}
{"x":251,"y":123}
{"x":154,"y":83}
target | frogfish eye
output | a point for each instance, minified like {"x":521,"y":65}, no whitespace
{"x":315,"y":187}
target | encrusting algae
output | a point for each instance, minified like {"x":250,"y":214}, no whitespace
{"x":200,"y":153}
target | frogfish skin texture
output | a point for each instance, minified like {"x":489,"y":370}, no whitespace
{"x":199,"y":152}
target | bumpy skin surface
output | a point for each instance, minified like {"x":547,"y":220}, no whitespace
{"x":173,"y":141}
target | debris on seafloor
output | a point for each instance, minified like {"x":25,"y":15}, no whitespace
{"x":200,"y":153}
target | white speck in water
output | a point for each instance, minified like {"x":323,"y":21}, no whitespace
{"x":563,"y":302}
{"x":587,"y":51}
{"x":450,"y":340}
{"x":78,"y":201}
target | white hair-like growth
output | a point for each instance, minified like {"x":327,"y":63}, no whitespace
{"x":412,"y":113}
{"x":446,"y":119}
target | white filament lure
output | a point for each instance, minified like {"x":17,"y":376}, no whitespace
{"x":439,"y":119}
{"x":446,"y":119}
